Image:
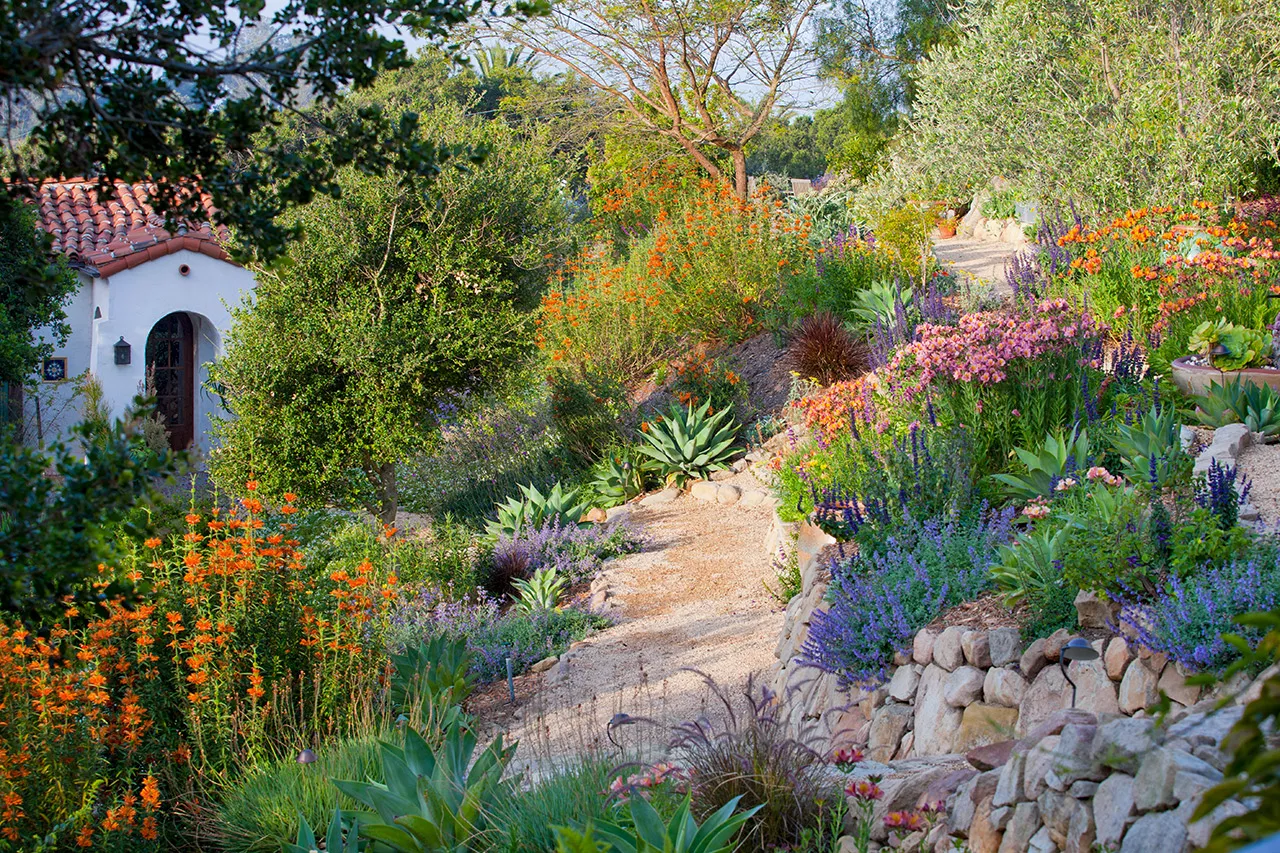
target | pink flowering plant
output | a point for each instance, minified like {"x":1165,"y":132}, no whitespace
{"x":1004,"y":377}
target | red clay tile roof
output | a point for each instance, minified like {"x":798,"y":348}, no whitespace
{"x":118,"y":233}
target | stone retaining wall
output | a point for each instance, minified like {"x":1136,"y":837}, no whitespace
{"x":960,"y":688}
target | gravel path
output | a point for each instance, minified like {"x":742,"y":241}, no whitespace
{"x":1261,"y":464}
{"x":982,"y":260}
{"x":695,"y":598}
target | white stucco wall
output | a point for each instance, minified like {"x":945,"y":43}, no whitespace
{"x":130,"y":304}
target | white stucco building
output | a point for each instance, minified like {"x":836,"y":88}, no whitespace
{"x":150,"y":304}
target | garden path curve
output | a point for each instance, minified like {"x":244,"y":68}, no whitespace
{"x":983,"y":260}
{"x":694,"y":598}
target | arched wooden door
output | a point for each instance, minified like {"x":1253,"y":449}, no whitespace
{"x":171,"y":375}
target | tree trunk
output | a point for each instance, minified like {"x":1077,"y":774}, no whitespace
{"x":739,"y":172}
{"x":388,"y":493}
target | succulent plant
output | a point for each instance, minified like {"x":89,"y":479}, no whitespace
{"x":433,"y":799}
{"x":436,"y":672}
{"x":621,"y":475}
{"x":336,"y":839}
{"x":1230,"y":347}
{"x":1254,"y":405}
{"x":532,"y":509}
{"x":1054,"y":459}
{"x":1151,"y":449}
{"x":879,"y":303}
{"x":647,"y":833}
{"x":688,"y":444}
{"x":541,"y":592}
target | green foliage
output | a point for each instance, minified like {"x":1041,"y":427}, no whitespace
{"x":1112,"y":547}
{"x":532,"y":509}
{"x":569,"y":840}
{"x":1200,"y":542}
{"x":434,"y":674}
{"x":543,"y":591}
{"x":879,"y":303}
{"x":1002,"y":204}
{"x":391,"y":304}
{"x":786,"y":147}
{"x":335,"y":839}
{"x":1151,"y":449}
{"x":1255,"y":405}
{"x":164,"y":110}
{"x":433,"y":799}
{"x":1252,"y":774}
{"x":688,"y":444}
{"x":1056,"y":458}
{"x":648,"y":833}
{"x":570,"y":795}
{"x":1091,"y":103}
{"x":1028,"y":572}
{"x":55,"y":531}
{"x":260,"y":812}
{"x":621,"y":475}
{"x":906,"y":230}
{"x":1244,"y":347}
{"x":586,"y":409}
{"x":33,"y":290}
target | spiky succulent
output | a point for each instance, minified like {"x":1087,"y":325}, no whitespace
{"x":689,"y":444}
{"x":1254,"y":405}
{"x":532,"y":509}
{"x":1055,"y":458}
{"x":621,"y":475}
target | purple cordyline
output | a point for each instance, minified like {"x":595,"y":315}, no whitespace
{"x":1188,"y":618}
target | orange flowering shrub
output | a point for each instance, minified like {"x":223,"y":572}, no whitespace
{"x":1160,"y":271}
{"x":706,"y":270}
{"x":829,"y":411}
{"x":700,"y":377}
{"x":119,"y":717}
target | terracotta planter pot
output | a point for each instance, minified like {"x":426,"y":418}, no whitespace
{"x":1194,"y":379}
{"x":946,"y":232}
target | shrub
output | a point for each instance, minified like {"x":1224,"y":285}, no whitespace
{"x":234,"y":651}
{"x":823,"y":349}
{"x":576,"y":553}
{"x":491,"y":635}
{"x":1029,"y":572}
{"x":846,"y":264}
{"x":587,"y":408}
{"x":700,"y":379}
{"x":828,"y":412}
{"x":688,"y":443}
{"x":742,"y":752}
{"x":260,"y":812}
{"x":1188,"y":617}
{"x":571,"y":795}
{"x":880,"y":598}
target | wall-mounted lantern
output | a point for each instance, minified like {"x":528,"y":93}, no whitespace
{"x":124,"y":352}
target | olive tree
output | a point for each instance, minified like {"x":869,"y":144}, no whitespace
{"x":1107,"y":103}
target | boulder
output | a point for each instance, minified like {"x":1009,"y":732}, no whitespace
{"x":983,"y":725}
{"x":977,"y":648}
{"x":1051,"y":692}
{"x":1041,"y":842}
{"x":936,"y":722}
{"x":907,"y":747}
{"x":1023,"y":824}
{"x":1137,"y":689}
{"x":752,"y":497}
{"x":597,"y":515}
{"x":1073,"y":759}
{"x":1082,"y":790}
{"x":665,"y":496}
{"x":1153,"y":787}
{"x":1055,"y":723}
{"x":948,"y":652}
{"x":1155,"y":833}
{"x":1055,"y":811}
{"x":1174,"y":684}
{"x":964,"y":686}
{"x":1009,"y":786}
{"x":1094,"y":611}
{"x":906,"y":679}
{"x":1198,"y":831}
{"x":1081,"y":830}
{"x":984,"y":837}
{"x":990,"y":757}
{"x":704,"y":490}
{"x":905,"y":787}
{"x":1040,"y":760}
{"x":1122,"y":743}
{"x":922,"y":646}
{"x":888,"y":726}
{"x":1053,"y":644}
{"x":1116,"y":658}
{"x":727,"y":493}
{"x":1206,"y":728}
{"x":1033,"y":659}
{"x":1004,"y":687}
{"x":942,"y":789}
{"x":1004,"y":644}
{"x":980,"y":787}
{"x":1112,"y":808}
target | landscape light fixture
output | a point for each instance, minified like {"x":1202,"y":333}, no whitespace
{"x":1077,"y":648}
{"x":307,"y":756}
